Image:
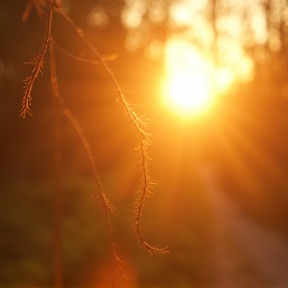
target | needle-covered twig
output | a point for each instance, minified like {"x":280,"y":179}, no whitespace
{"x":143,"y":137}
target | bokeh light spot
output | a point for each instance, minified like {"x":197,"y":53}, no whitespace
{"x":98,"y":17}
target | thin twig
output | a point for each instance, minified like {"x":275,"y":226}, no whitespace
{"x":143,"y":138}
{"x":37,"y":66}
{"x":81,"y":59}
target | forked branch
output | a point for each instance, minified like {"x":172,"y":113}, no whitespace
{"x":139,"y":125}
{"x":108,"y":207}
{"x":26,"y":104}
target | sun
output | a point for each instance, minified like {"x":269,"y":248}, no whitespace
{"x":191,"y":82}
{"x":187,"y":92}
{"x":187,"y":86}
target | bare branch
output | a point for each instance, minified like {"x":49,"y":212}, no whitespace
{"x":81,"y":59}
{"x":140,"y":127}
{"x":108,"y":207}
{"x":37,"y":66}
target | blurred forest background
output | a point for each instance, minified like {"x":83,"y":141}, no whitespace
{"x":243,"y":138}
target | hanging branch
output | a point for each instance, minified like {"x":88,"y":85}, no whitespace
{"x":140,"y":126}
{"x":108,"y":207}
{"x":37,"y":63}
{"x":143,"y":137}
{"x":26,"y":108}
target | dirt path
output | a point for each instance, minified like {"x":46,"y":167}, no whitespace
{"x":245,"y":254}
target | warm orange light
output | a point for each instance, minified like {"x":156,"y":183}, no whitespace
{"x":192,"y":82}
{"x":187,"y":88}
{"x":187,"y":92}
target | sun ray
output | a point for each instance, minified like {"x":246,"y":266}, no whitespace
{"x":253,"y":151}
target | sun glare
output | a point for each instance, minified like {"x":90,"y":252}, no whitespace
{"x":192,"y":82}
{"x":187,"y":87}
{"x":187,"y":91}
